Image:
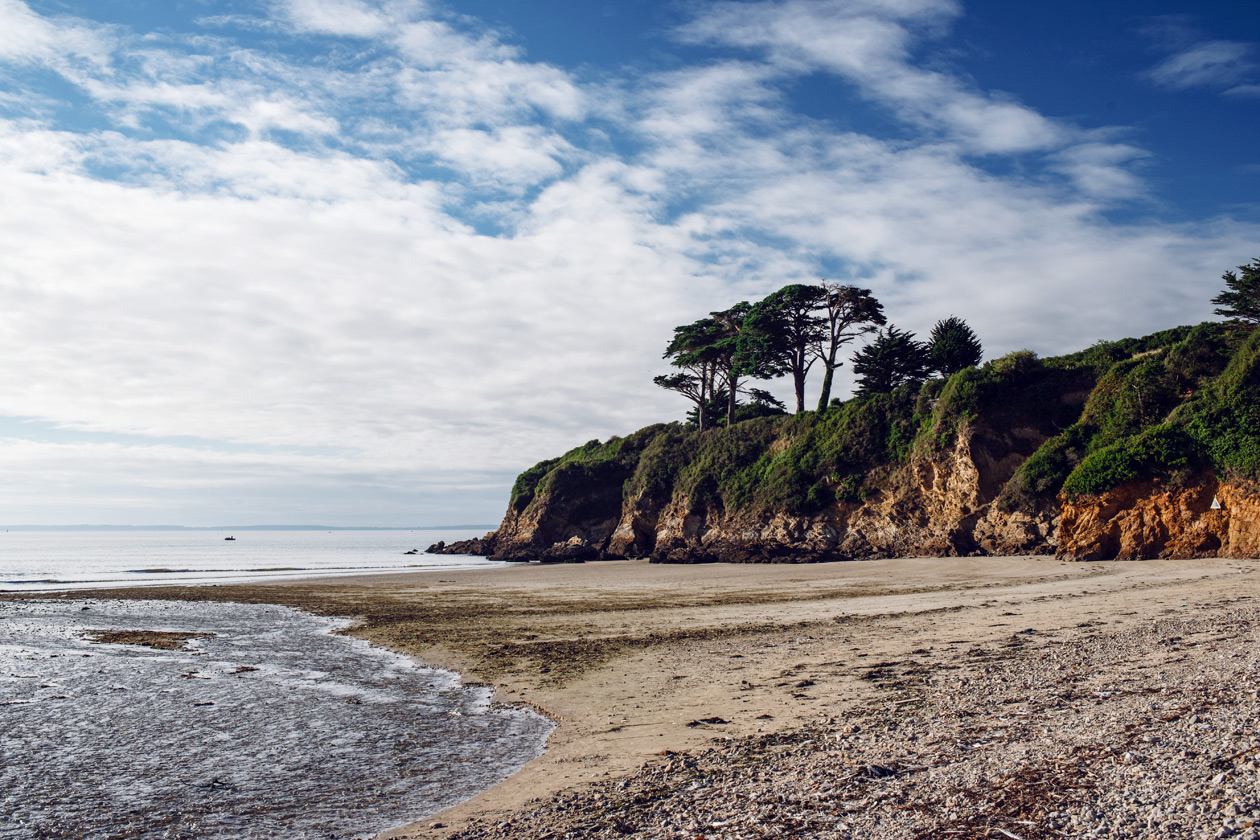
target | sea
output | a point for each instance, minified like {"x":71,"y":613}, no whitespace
{"x":266,"y":722}
{"x":33,"y":561}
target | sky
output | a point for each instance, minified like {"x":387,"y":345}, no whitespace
{"x":361,"y":262}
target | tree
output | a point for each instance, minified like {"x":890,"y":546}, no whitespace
{"x":1242,"y":300}
{"x":778,"y":334}
{"x":731,"y":325}
{"x":706,"y":352}
{"x":953,"y":346}
{"x":697,"y":349}
{"x":690,"y":386}
{"x":850,"y":312}
{"x":893,"y":358}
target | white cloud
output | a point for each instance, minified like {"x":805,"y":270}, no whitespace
{"x":470,"y":80}
{"x":263,"y":116}
{"x":1243,"y":90}
{"x":1208,"y":63}
{"x":869,"y":43}
{"x":323,"y":282}
{"x":515,"y":156}
{"x":26,"y":36}
{"x":1103,"y":170}
{"x":336,"y":17}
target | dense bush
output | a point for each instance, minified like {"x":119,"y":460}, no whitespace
{"x":1225,"y":417}
{"x":1158,"y":411}
{"x":591,"y":464}
{"x":1163,"y":451}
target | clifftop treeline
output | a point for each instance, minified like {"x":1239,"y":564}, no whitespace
{"x":1142,"y":447}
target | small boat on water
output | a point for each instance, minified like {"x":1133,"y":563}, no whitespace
{"x":229,"y":538}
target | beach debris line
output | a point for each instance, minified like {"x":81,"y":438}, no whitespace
{"x":709,"y":721}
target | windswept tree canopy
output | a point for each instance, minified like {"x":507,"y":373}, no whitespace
{"x":731,"y":321}
{"x":706,"y":351}
{"x":1241,"y":300}
{"x":953,"y":346}
{"x":849,"y":312}
{"x":700,"y":349}
{"x":893,"y":358}
{"x":778,"y":333}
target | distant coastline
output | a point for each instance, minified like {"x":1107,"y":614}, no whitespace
{"x":475,"y":527}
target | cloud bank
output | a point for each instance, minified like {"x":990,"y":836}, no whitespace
{"x":362,"y":262}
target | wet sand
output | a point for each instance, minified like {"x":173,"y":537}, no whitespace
{"x":639,"y":663}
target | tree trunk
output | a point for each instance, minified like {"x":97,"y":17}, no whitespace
{"x":798,"y":379}
{"x":824,"y":399}
{"x":730,"y":405}
{"x":700,"y":405}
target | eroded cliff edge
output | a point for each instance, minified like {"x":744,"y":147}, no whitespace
{"x":1134,"y":449}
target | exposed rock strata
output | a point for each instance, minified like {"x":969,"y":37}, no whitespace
{"x":938,"y":506}
{"x":935,"y":506}
{"x":1146,"y":519}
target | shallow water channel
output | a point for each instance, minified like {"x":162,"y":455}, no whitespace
{"x":270,"y":726}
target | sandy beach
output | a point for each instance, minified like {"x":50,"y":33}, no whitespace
{"x":907,"y":676}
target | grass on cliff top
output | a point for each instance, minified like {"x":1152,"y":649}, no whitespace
{"x":593,"y":463}
{"x":799,"y":463}
{"x":1162,"y":409}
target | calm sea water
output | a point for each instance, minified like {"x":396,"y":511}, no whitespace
{"x":270,"y":726}
{"x":53,"y":560}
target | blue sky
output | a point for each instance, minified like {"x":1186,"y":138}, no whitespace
{"x":362,"y":261}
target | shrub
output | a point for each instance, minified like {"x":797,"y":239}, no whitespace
{"x":1163,"y":451}
{"x":1013,"y":364}
{"x":589,"y":465}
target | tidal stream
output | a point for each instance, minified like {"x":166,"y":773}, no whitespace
{"x":270,"y":725}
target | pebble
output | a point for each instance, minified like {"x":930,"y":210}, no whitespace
{"x":1076,"y":732}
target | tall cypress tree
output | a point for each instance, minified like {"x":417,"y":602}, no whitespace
{"x":1241,"y":300}
{"x":778,"y":334}
{"x":953,"y":346}
{"x":894,"y":358}
{"x":849,"y":313}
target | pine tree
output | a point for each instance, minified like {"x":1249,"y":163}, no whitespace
{"x":1242,"y":300}
{"x":953,"y":346}
{"x":894,"y":358}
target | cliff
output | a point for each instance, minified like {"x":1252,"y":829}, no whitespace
{"x":1116,"y":452}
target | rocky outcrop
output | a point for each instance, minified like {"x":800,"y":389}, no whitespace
{"x":1142,"y":520}
{"x":937,"y":505}
{"x":570,"y":520}
{"x":1241,"y":501}
{"x":481,"y":546}
{"x":1085,"y":456}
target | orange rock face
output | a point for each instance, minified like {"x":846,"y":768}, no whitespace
{"x":1145,"y":519}
{"x":1243,"y":506}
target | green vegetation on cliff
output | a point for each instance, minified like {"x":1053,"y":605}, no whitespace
{"x":1163,"y":406}
{"x":590,"y":465}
